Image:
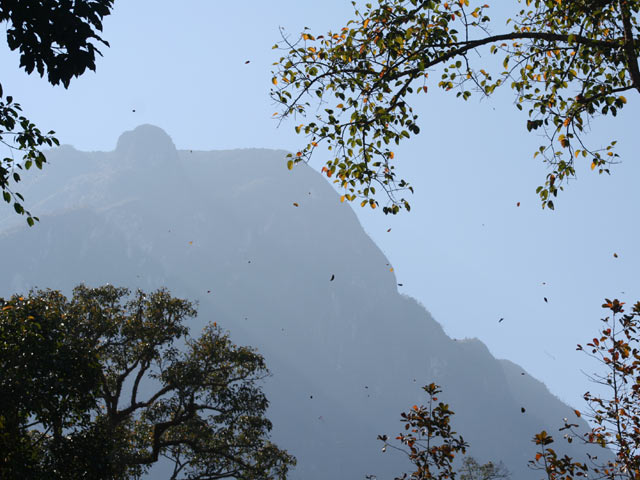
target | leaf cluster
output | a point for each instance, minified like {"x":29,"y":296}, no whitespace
{"x":19,"y":135}
{"x":55,"y":37}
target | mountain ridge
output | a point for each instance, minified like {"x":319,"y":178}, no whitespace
{"x":276,"y":258}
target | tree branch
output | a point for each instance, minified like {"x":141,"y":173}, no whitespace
{"x":629,"y":45}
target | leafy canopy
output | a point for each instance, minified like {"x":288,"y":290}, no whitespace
{"x":566,"y":61}
{"x":55,"y":38}
{"x":106,"y":383}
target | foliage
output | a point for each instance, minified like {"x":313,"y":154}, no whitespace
{"x":431,"y":445}
{"x":615,"y":420}
{"x":472,"y":470}
{"x":566,"y":61}
{"x":104,"y":384}
{"x":54,"y":38}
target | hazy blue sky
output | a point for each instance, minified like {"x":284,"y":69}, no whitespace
{"x":466,"y":251}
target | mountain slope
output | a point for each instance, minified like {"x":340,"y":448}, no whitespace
{"x":257,"y":246}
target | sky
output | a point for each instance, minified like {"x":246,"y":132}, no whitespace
{"x":466,"y":251}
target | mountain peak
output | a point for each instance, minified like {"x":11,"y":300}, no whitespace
{"x":147,"y":145}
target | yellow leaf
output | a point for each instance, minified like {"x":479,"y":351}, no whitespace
{"x":342,"y":199}
{"x":391,"y":269}
{"x":364,"y":202}
{"x":623,"y":99}
{"x":366,"y":22}
{"x":290,"y":164}
{"x":274,"y":80}
{"x":340,"y":105}
{"x":391,"y":155}
{"x":593,"y":165}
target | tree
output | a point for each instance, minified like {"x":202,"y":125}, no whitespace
{"x":472,"y":470}
{"x":431,"y":444}
{"x":56,"y":38}
{"x":566,"y":61}
{"x":615,"y":420}
{"x":106,"y":383}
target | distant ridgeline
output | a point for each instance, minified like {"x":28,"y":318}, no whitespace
{"x":257,"y":247}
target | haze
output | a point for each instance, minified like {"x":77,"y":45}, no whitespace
{"x":466,"y":251}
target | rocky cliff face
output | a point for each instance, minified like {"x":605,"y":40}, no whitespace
{"x":347,"y":355}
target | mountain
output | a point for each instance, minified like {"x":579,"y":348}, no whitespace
{"x":275,"y":258}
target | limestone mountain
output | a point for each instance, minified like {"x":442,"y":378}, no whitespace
{"x":275,"y":258}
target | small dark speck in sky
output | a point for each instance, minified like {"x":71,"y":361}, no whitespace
{"x":248,"y":61}
{"x":522,"y":409}
{"x":388,"y":230}
{"x":501,"y":319}
{"x":545,"y":299}
{"x":134,"y":110}
{"x":310,"y":396}
{"x":400,"y":284}
{"x":332,"y":278}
